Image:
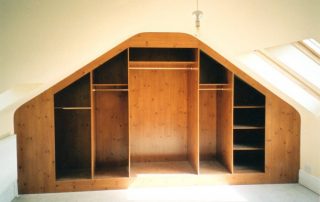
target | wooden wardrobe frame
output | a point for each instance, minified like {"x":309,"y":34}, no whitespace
{"x":186,"y":100}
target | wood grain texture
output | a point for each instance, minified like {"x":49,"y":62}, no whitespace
{"x":193,"y":119}
{"x":34,"y":126}
{"x":282,"y":141}
{"x":111,"y":115}
{"x":163,"y":40}
{"x":158,"y":115}
{"x":225,"y":124}
{"x":208,"y":124}
{"x":162,"y":65}
{"x":73,"y":143}
{"x":93,"y":184}
{"x":161,"y":168}
{"x":162,"y":54}
{"x":224,"y":128}
{"x":76,"y":94}
{"x":93,"y":122}
{"x":114,"y":71}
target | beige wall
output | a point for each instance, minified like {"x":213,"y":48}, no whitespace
{"x":44,"y":41}
{"x":310,"y":143}
{"x":6,"y":120}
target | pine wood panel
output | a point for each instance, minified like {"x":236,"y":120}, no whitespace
{"x":224,"y":128}
{"x":92,"y":138}
{"x":111,"y":115}
{"x":165,"y":40}
{"x":161,"y":168}
{"x":282,"y":141}
{"x":93,"y":184}
{"x":73,"y":143}
{"x":114,"y":71}
{"x":193,"y":119}
{"x":162,"y":65}
{"x":34,"y":124}
{"x":75,"y":95}
{"x":158,"y":115}
{"x":207,"y":124}
{"x":211,"y":72}
{"x":162,"y":54}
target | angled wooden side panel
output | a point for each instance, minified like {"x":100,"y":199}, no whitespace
{"x":35,"y":141}
{"x":193,"y":119}
{"x":282,"y":141}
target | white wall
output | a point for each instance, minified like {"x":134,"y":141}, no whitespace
{"x":8,"y":174}
{"x":6,"y":120}
{"x":44,"y":41}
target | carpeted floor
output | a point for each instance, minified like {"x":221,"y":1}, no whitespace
{"x":241,"y":193}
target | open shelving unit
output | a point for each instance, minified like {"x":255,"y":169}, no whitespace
{"x":215,"y":108}
{"x":249,"y":128}
{"x":212,"y":123}
{"x":72,"y":127}
{"x":158,"y":109}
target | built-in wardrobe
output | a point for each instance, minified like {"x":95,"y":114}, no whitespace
{"x":158,"y":109}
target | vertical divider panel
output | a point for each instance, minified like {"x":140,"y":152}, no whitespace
{"x":93,"y":126}
{"x":129,"y":142}
{"x":193,"y":115}
{"x":230,"y":166}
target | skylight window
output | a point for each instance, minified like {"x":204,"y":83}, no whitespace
{"x":275,"y":77}
{"x":299,"y":64}
{"x":313,"y":45}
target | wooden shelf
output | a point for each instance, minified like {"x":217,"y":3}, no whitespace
{"x":162,"y":65}
{"x":212,"y":167}
{"x":109,"y":90}
{"x":247,"y":127}
{"x":109,"y":87}
{"x":158,"y":168}
{"x":114,"y":171}
{"x":238,"y":147}
{"x":73,"y":108}
{"x":249,"y":107}
{"x":247,"y":169}
{"x":72,"y":174}
{"x":214,"y":87}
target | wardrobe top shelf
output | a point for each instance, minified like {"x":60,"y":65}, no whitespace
{"x":163,"y":64}
{"x":111,"y":84}
{"x":73,"y":108}
{"x":215,"y":86}
{"x":249,"y":107}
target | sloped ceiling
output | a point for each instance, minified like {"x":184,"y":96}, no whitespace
{"x":41,"y":42}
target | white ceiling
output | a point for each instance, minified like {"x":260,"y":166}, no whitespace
{"x":41,"y":42}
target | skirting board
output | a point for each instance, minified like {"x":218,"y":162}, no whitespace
{"x":309,"y":181}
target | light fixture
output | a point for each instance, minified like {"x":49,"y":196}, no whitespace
{"x":198,"y":13}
